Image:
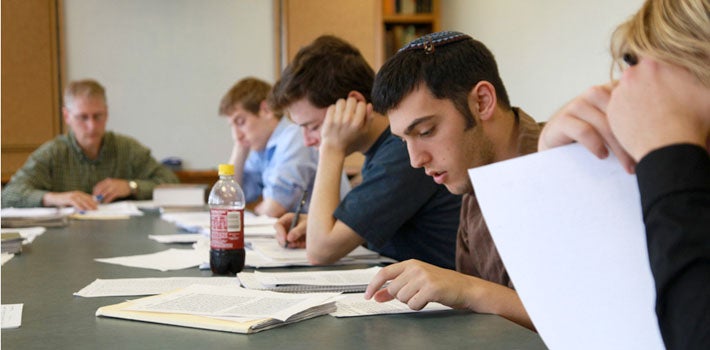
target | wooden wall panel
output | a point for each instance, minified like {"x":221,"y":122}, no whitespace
{"x":30,"y":79}
{"x":357,"y":21}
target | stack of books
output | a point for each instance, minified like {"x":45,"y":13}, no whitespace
{"x":29,"y":217}
{"x":11,"y":242}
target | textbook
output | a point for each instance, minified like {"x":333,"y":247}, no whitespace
{"x":344,"y":281}
{"x":225,"y":309}
{"x":175,"y":196}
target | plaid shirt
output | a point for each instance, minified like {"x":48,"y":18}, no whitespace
{"x":60,"y":166}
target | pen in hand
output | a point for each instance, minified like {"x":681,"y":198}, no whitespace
{"x":294,"y":222}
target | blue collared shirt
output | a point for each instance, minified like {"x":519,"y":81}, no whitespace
{"x":284,"y":169}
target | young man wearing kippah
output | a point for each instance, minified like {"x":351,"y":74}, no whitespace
{"x":445,"y":99}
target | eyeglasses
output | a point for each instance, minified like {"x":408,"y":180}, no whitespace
{"x":84,"y":118}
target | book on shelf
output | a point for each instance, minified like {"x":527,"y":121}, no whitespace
{"x":406,"y":7}
{"x":11,"y":242}
{"x":226,"y":309}
{"x":172,"y":197}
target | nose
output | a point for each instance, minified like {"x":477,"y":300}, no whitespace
{"x":240,"y":134}
{"x":311,"y":139}
{"x":417,"y":157}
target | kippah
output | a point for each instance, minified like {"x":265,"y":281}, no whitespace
{"x":431,"y":41}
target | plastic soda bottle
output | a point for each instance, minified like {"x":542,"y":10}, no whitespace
{"x":226,"y":202}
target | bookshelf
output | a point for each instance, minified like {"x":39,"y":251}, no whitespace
{"x":406,"y":20}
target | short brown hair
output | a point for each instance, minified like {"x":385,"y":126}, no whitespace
{"x":323,"y":72}
{"x":249,"y":92}
{"x":83,"y":88}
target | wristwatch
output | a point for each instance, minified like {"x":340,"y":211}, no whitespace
{"x":134,"y":187}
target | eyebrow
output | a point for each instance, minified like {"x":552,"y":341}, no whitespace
{"x":416,"y":122}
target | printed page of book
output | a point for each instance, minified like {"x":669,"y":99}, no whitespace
{"x":228,"y":301}
{"x":569,"y":229}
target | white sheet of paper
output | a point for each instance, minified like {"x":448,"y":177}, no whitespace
{"x":569,"y":229}
{"x":11,"y":315}
{"x":111,"y":211}
{"x":354,"y":304}
{"x":170,"y":259}
{"x":148,"y":286}
{"x":5,"y":257}
{"x":177,"y":238}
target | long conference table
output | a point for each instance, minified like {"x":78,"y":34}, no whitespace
{"x":61,"y":262}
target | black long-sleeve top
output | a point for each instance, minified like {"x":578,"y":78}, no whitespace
{"x":674,"y":183}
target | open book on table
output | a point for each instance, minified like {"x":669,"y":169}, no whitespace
{"x":226,"y":309}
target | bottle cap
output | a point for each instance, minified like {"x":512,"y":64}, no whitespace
{"x":226,"y":169}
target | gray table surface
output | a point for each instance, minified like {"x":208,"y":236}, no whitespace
{"x":61,"y":262}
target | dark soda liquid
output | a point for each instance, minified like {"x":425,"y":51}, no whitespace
{"x":226,"y":262}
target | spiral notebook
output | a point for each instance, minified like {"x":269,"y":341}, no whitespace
{"x":344,"y":281}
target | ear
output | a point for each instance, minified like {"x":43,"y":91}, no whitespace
{"x":65,"y":114}
{"x":358,"y":96}
{"x":482,"y":100}
{"x":264,"y":109}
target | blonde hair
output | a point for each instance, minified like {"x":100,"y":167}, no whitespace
{"x":673,"y":31}
{"x":83,"y":89}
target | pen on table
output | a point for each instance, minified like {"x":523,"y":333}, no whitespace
{"x":294,"y":222}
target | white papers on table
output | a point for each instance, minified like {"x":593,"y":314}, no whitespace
{"x":275,"y":253}
{"x":177,"y":238}
{"x":35,"y":212}
{"x":110,"y":211}
{"x":569,"y":229}
{"x":352,"y":305}
{"x":148,"y":286}
{"x":199,"y":222}
{"x":27,"y":217}
{"x":11,"y":315}
{"x":345,"y":281}
{"x":28,"y":233}
{"x":232,"y":302}
{"x":171,"y":259}
{"x":5,"y":257}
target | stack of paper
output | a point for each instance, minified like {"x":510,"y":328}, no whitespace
{"x":225,"y":309}
{"x":345,"y":281}
{"x":25,"y":217}
{"x":28,"y":233}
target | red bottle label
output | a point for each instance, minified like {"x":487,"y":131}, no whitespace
{"x":227,"y":228}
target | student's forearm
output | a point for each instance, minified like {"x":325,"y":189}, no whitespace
{"x":492,"y":298}
{"x":324,"y":201}
{"x":238,"y":159}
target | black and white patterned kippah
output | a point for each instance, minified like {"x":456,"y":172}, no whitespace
{"x":431,"y":41}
